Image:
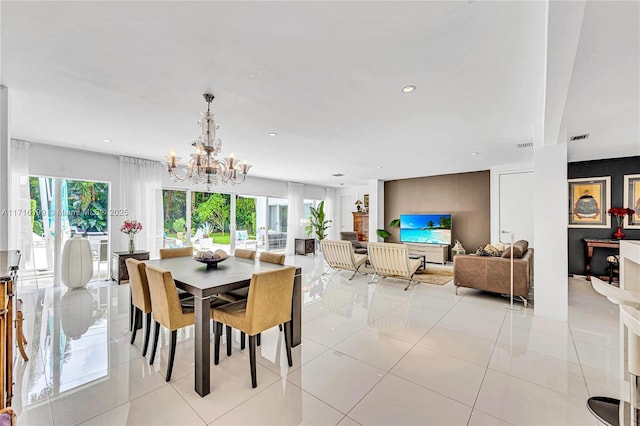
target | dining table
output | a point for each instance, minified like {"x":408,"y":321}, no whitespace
{"x":203,"y":282}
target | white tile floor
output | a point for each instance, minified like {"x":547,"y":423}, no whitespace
{"x":371,"y":354}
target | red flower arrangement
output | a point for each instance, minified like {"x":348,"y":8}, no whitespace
{"x":620,"y":213}
{"x":131,"y":227}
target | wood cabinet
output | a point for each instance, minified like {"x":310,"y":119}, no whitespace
{"x":305,"y":245}
{"x":361,"y":225}
{"x":434,"y":253}
{"x":119,"y":271}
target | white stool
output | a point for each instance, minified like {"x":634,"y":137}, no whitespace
{"x":608,"y":410}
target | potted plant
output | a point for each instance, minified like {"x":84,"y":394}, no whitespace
{"x":206,"y":242}
{"x":179,"y":225}
{"x":383,"y":233}
{"x":318,"y":224}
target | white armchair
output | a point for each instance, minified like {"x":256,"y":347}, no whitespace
{"x":392,"y":260}
{"x":341,"y":255}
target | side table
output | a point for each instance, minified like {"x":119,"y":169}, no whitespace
{"x":305,"y":245}
{"x":119,"y":271}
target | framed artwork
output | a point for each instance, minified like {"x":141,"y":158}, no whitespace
{"x":589,"y":201}
{"x":632,"y":200}
{"x":366,"y":201}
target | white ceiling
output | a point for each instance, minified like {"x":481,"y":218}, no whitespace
{"x":325,"y":76}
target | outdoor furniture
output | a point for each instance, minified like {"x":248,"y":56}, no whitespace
{"x":242,"y":237}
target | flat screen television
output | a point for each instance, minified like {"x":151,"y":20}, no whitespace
{"x":425,"y":228}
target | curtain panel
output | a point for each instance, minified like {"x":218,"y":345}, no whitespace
{"x":141,"y":199}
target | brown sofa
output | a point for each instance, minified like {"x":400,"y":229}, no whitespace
{"x":494,"y":273}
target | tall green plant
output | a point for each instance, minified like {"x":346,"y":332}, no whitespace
{"x":318,"y":223}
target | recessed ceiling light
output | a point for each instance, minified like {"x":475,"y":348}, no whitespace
{"x":337,"y":174}
{"x":106,"y":140}
{"x":474,"y":153}
{"x":408,"y":89}
{"x":272,"y":134}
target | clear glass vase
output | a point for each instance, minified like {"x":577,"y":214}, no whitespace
{"x":132,"y":244}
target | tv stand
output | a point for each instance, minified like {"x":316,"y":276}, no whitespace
{"x":434,"y":253}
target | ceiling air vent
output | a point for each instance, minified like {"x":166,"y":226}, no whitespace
{"x":579,"y":137}
{"x":337,"y":174}
{"x":525,"y":145}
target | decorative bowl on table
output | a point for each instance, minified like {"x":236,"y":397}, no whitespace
{"x":211,"y":259}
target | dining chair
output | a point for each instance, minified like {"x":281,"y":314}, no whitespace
{"x":245,"y":254}
{"x":268,"y":305}
{"x":167,"y":253}
{"x":169,"y":311}
{"x":243,"y":293}
{"x":140,"y":299}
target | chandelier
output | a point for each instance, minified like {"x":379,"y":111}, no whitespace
{"x":203,"y":166}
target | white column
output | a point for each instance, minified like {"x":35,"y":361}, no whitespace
{"x":550,"y":232}
{"x":376,"y":208}
{"x":4,"y":168}
{"x":232,"y":225}
{"x":551,"y":283}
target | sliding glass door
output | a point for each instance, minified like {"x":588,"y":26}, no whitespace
{"x":61,"y":208}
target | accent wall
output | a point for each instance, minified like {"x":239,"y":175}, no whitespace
{"x":465,"y":195}
{"x":616,"y":168}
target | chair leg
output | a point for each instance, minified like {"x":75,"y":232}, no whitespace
{"x":156,"y":332}
{"x":136,"y":319}
{"x":252,"y":360}
{"x":287,"y":341}
{"x":242,"y":336}
{"x":228,"y":340}
{"x":147,"y":331}
{"x":259,"y":339}
{"x":172,"y":354}
{"x":131,"y":311}
{"x":280,"y":327}
{"x":216,"y":348}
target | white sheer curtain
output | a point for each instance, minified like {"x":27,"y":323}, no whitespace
{"x":20,"y":233}
{"x":141,"y":197}
{"x":330,"y":213}
{"x":295,"y":214}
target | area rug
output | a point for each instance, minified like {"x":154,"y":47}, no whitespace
{"x":430,"y":276}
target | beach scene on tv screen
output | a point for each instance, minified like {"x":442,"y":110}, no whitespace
{"x":425,"y":228}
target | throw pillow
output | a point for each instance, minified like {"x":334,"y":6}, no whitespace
{"x":492,"y":250}
{"x":519,"y":248}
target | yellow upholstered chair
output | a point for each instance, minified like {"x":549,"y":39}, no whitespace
{"x":140,"y":299}
{"x":340,"y":254}
{"x":268,"y":305}
{"x":392,"y":260}
{"x":278,"y":259}
{"x":245,"y":254}
{"x":167,"y":253}
{"x":168,"y":310}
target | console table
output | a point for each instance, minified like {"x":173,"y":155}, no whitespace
{"x":119,"y":271}
{"x":592,"y":243}
{"x":9,"y":261}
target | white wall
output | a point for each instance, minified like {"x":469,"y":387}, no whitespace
{"x":345,"y":199}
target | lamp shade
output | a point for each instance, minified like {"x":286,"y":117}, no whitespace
{"x":76,"y":266}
